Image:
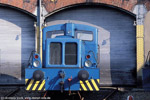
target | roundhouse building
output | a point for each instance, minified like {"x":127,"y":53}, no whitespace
{"x":123,"y":35}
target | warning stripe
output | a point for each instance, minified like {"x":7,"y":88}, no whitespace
{"x":26,"y":80}
{"x":90,"y":85}
{"x":82,"y":85}
{"x":95,"y":84}
{"x":32,"y":85}
{"x":42,"y":85}
{"x":36,"y":84}
{"x":39,"y":85}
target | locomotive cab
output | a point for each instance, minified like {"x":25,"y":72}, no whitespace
{"x":70,"y":59}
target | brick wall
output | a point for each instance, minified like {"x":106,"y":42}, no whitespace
{"x":147,"y":4}
{"x":28,"y":5}
{"x":51,"y":5}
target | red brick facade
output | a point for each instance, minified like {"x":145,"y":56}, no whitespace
{"x":51,"y":5}
{"x":28,"y":5}
{"x":147,"y":4}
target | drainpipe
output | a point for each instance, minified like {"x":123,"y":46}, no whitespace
{"x":140,"y":11}
{"x":39,"y":28}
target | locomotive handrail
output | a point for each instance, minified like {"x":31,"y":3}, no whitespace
{"x":31,"y":56}
{"x":94,"y":56}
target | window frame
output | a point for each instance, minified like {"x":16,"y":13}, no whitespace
{"x":77,"y":31}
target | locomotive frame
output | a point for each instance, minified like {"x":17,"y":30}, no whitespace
{"x":81,"y":74}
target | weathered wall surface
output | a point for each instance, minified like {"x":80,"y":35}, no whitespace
{"x":52,"y":5}
{"x":27,"y":5}
{"x":147,"y":33}
{"x":17,"y":40}
{"x":146,"y":3}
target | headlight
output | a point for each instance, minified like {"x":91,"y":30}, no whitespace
{"x":88,"y":63}
{"x":36,"y":63}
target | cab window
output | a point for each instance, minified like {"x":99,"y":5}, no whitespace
{"x":53,"y":34}
{"x":84,"y":35}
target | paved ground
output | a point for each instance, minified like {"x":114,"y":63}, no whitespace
{"x":115,"y":94}
{"x":138,"y":94}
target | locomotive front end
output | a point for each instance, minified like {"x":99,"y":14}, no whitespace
{"x":70,"y":59}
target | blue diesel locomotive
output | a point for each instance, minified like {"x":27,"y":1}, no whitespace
{"x":70,"y":59}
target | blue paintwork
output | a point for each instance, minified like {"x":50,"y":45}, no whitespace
{"x":52,"y":78}
{"x":69,"y":29}
{"x":51,"y":72}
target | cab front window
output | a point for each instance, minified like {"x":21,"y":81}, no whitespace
{"x":55,"y":53}
{"x":84,"y":35}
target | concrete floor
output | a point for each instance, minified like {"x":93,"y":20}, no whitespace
{"x":137,"y":95}
{"x":117,"y":94}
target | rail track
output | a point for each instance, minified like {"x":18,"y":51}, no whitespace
{"x":11,"y":93}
